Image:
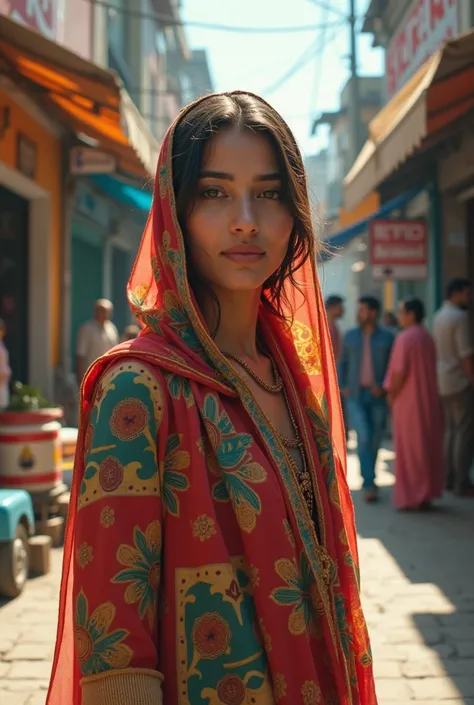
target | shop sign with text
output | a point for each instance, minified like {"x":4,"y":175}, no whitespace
{"x":427,"y":24}
{"x":42,"y":15}
{"x":399,"y":249}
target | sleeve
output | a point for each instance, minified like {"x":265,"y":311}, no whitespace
{"x":83,"y":340}
{"x":399,"y":361}
{"x":5,"y":371}
{"x":463,"y":337}
{"x":118,"y":544}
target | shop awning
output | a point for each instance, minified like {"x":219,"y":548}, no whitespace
{"x":87,"y":98}
{"x":439,"y":93}
{"x":344,"y":237}
{"x":136,"y":198}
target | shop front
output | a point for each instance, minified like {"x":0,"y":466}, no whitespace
{"x":30,"y":237}
{"x":61,"y":252}
{"x":409,"y":141}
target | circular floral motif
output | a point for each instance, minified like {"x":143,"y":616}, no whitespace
{"x":204,"y":528}
{"x":231,"y":690}
{"x":88,"y":439}
{"x":211,"y":635}
{"x":83,"y":643}
{"x":110,"y":474}
{"x":129,"y":419}
{"x":85,"y":554}
{"x":107,"y":517}
{"x":311,"y":693}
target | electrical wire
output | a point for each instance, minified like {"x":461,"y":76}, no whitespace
{"x":310,"y":53}
{"x":318,"y":66}
{"x":167,"y":20}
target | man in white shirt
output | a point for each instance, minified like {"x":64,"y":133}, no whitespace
{"x":95,"y":337}
{"x":455,"y":349}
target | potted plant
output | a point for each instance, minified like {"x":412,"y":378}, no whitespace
{"x":28,"y":407}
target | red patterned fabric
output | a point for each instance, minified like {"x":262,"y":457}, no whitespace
{"x":303,"y":594}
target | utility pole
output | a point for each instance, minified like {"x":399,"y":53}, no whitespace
{"x":354,"y":102}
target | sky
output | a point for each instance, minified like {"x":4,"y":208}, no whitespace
{"x":256,"y":62}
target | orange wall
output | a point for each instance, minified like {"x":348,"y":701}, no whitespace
{"x":48,"y":176}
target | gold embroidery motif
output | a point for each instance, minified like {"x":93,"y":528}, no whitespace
{"x":311,"y":693}
{"x":308,"y":348}
{"x":107,"y":517}
{"x":279,"y":686}
{"x":267,"y":640}
{"x":289,"y":532}
{"x":85,"y":554}
{"x":204,"y":528}
{"x":139,"y":294}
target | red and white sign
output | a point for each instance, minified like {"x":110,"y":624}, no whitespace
{"x":427,"y":24}
{"x":42,"y":15}
{"x":399,"y":249}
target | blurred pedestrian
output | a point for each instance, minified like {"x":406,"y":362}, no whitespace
{"x":335,"y":311}
{"x":362,"y":367}
{"x":455,"y":349}
{"x":95,"y":337}
{"x":5,"y":371}
{"x":130,"y":332}
{"x":390,"y":321}
{"x":412,"y":388}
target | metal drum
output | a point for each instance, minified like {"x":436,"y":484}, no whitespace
{"x":30,"y":451}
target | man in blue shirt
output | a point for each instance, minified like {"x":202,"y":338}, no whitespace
{"x":362,"y":367}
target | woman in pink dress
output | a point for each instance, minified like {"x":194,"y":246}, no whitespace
{"x":418,"y":426}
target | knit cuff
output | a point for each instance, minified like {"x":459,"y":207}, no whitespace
{"x":128,"y":686}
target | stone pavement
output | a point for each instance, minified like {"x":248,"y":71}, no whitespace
{"x":418,"y":589}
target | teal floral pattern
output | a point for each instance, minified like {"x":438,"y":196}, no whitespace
{"x":176,"y":459}
{"x":97,"y":648}
{"x":142,"y":571}
{"x":297,"y":593}
{"x":238,"y":470}
{"x":179,"y":388}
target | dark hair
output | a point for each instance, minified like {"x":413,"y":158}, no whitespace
{"x":333,"y":300}
{"x":457,"y":286}
{"x":371,"y":302}
{"x":415,"y":306}
{"x":246,"y":112}
{"x":392,"y":317}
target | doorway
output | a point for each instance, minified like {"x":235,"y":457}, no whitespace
{"x":14,"y":278}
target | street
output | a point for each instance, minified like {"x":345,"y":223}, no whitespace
{"x":417,"y":578}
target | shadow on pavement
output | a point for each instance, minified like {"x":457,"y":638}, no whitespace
{"x":421,"y":604}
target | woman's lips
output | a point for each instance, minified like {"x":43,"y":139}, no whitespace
{"x":244,"y":257}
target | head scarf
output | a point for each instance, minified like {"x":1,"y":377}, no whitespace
{"x":175,"y":338}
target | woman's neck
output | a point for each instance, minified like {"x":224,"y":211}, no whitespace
{"x":237,"y":323}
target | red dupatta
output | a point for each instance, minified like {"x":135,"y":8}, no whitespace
{"x":175,"y":338}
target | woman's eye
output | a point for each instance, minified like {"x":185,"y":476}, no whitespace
{"x":271,"y":194}
{"x":212,"y":193}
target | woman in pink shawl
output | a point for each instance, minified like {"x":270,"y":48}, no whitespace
{"x":417,"y":420}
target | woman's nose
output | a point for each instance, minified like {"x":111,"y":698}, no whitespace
{"x":245,"y":217}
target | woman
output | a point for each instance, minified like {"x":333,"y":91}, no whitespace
{"x":5,"y":371}
{"x":211,"y":553}
{"x":416,"y":412}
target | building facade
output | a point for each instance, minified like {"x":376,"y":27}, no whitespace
{"x":345,"y":271}
{"x":431,"y":161}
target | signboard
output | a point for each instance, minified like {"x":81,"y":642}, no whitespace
{"x":399,"y":249}
{"x":88,"y":160}
{"x":26,"y":156}
{"x":40,"y":14}
{"x":427,"y":24}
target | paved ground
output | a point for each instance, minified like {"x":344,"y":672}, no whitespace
{"x":418,"y":588}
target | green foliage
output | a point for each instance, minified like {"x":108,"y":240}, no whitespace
{"x":27,"y":398}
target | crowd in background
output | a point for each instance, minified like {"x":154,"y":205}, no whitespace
{"x":394,"y":365}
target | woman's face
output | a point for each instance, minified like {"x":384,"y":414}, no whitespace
{"x":239,"y":228}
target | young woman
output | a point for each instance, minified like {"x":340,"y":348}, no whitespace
{"x":412,"y":388}
{"x":211,"y":553}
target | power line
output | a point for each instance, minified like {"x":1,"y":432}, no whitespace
{"x":310,"y":53}
{"x":167,"y":20}
{"x":319,"y":68}
{"x":328,"y":8}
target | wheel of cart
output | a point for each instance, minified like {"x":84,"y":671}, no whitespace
{"x":17,"y":524}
